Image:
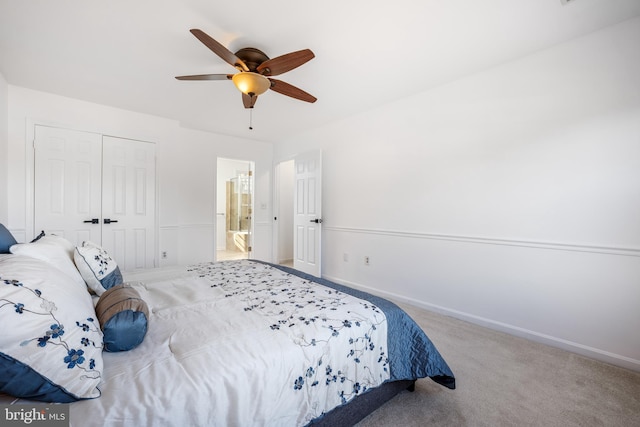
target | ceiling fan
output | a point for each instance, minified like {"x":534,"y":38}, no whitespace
{"x":256,"y":70}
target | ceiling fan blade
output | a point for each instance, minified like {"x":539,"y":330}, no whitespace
{"x":284,"y":63}
{"x":292,"y":91}
{"x":206,"y":77}
{"x":219,"y":50}
{"x":249,"y":101}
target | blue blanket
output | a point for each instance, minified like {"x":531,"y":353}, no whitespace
{"x":412,"y":355}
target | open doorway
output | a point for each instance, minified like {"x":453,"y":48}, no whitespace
{"x":234,"y":209}
{"x":284,"y":209}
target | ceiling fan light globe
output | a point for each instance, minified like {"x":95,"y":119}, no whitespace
{"x":251,"y":83}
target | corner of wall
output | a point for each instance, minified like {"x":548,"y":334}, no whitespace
{"x":4,"y":148}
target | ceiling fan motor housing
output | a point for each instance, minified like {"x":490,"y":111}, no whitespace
{"x":252,"y":57}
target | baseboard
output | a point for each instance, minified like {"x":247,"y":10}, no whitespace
{"x":583,"y":350}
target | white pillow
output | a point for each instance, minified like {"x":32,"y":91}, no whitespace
{"x":97,"y":268}
{"x":55,"y":250}
{"x":51,"y":342}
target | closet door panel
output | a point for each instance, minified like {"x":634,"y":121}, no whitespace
{"x":67,"y":183}
{"x":128,"y":205}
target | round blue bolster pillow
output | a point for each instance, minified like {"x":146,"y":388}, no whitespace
{"x":123,"y":317}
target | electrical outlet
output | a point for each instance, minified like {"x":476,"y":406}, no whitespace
{"x":164,"y":254}
{"x":345,"y":257}
{"x":366,"y":260}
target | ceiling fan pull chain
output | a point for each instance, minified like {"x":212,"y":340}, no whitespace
{"x":250,"y":118}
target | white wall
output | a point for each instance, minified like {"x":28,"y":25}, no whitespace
{"x":510,"y":198}
{"x":4,"y":148}
{"x":186,"y":169}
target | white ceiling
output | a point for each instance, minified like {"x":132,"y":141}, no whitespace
{"x":125,"y":53}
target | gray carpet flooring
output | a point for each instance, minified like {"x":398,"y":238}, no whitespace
{"x":502,"y":380}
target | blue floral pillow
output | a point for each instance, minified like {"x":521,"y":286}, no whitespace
{"x":51,"y":342}
{"x":96,"y":267}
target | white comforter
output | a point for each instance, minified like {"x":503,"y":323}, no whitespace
{"x":239,"y":344}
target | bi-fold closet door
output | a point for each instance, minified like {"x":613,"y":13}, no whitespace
{"x":99,"y":188}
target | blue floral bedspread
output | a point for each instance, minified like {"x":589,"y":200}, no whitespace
{"x":374,"y":339}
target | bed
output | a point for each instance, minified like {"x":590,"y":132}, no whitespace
{"x":229,"y":343}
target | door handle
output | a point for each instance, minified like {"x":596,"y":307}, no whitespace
{"x":109,"y":221}
{"x":92,"y":221}
{"x":317,"y":221}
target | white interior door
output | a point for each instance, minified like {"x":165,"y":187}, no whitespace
{"x":128,"y":202}
{"x":307,"y":215}
{"x":97,"y":188}
{"x":67,"y":184}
